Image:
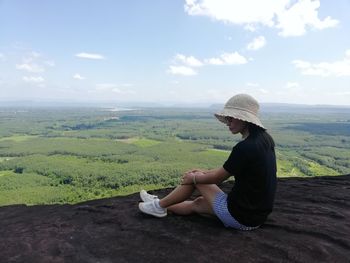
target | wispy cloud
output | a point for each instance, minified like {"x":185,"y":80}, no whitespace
{"x":32,"y":67}
{"x":339,"y":68}
{"x":292,"y":85}
{"x":33,"y":79}
{"x":35,"y":54}
{"x":264,"y":91}
{"x":78,"y":77}
{"x":227,"y":59}
{"x":257,"y":43}
{"x":184,"y":64}
{"x":50,"y":63}
{"x":182,"y":70}
{"x":190,"y":61}
{"x":89,"y":56}
{"x":250,"y":27}
{"x":290,"y":17}
{"x":34,"y":62}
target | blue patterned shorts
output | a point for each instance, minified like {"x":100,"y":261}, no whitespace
{"x":221,"y":211}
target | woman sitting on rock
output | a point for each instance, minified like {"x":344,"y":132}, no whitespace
{"x":252,"y":162}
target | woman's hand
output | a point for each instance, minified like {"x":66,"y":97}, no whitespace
{"x":188,"y":177}
{"x":195,"y":170}
{"x":197,"y":176}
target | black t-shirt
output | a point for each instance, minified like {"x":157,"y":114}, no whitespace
{"x":254,"y":168}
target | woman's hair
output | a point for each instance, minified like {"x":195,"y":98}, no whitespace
{"x":261,"y":137}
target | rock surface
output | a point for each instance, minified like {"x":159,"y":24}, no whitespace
{"x":310,"y":223}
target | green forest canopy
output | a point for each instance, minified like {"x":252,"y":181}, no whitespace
{"x":68,"y":155}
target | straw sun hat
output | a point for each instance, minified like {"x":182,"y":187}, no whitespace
{"x":243,"y":107}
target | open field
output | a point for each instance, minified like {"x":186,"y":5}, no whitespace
{"x":67,"y":155}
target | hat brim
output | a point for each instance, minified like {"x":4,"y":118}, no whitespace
{"x":239,"y":114}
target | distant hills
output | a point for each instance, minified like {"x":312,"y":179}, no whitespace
{"x":301,"y":108}
{"x":265,"y":107}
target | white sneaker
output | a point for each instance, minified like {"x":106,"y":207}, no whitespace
{"x":146,"y":197}
{"x":151,"y":209}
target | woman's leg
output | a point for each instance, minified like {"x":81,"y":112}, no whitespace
{"x":208,"y":191}
{"x":158,"y":207}
{"x":178,"y":195}
{"x":198,"y":206}
{"x":175,"y":201}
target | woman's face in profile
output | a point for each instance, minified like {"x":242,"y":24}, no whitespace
{"x":236,"y":125}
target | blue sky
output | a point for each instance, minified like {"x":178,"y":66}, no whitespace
{"x":193,"y":51}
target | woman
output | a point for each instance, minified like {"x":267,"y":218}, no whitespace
{"x":252,"y":162}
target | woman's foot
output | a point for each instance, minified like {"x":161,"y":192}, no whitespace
{"x":146,"y":197}
{"x":153,"y":208}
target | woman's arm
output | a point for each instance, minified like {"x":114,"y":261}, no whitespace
{"x":214,"y":176}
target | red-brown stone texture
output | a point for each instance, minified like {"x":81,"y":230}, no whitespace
{"x":310,"y":223}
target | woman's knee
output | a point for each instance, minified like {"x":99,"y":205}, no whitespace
{"x":198,"y":201}
{"x":201,"y":205}
{"x":208,"y":191}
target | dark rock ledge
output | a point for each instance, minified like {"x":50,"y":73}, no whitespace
{"x":310,"y":223}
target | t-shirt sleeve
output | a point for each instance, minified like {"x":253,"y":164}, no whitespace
{"x":236,"y":160}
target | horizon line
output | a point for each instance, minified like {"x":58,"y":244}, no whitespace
{"x":155,"y":103}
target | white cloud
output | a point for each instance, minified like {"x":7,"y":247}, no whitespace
{"x":34,"y":62}
{"x":292,"y":85}
{"x":264,"y":91}
{"x":236,"y":12}
{"x":214,"y":61}
{"x":32,"y":67}
{"x":2,"y":56}
{"x":89,"y":55}
{"x":188,"y":61}
{"x":35,"y":54}
{"x":257,"y":43}
{"x":33,"y":79}
{"x":339,"y":68}
{"x":182,"y":70}
{"x":116,"y":90}
{"x":50,"y":63}
{"x":78,"y":77}
{"x":227,"y":59}
{"x":184,"y":65}
{"x":302,"y":14}
{"x":290,"y":17}
{"x":250,"y":28}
